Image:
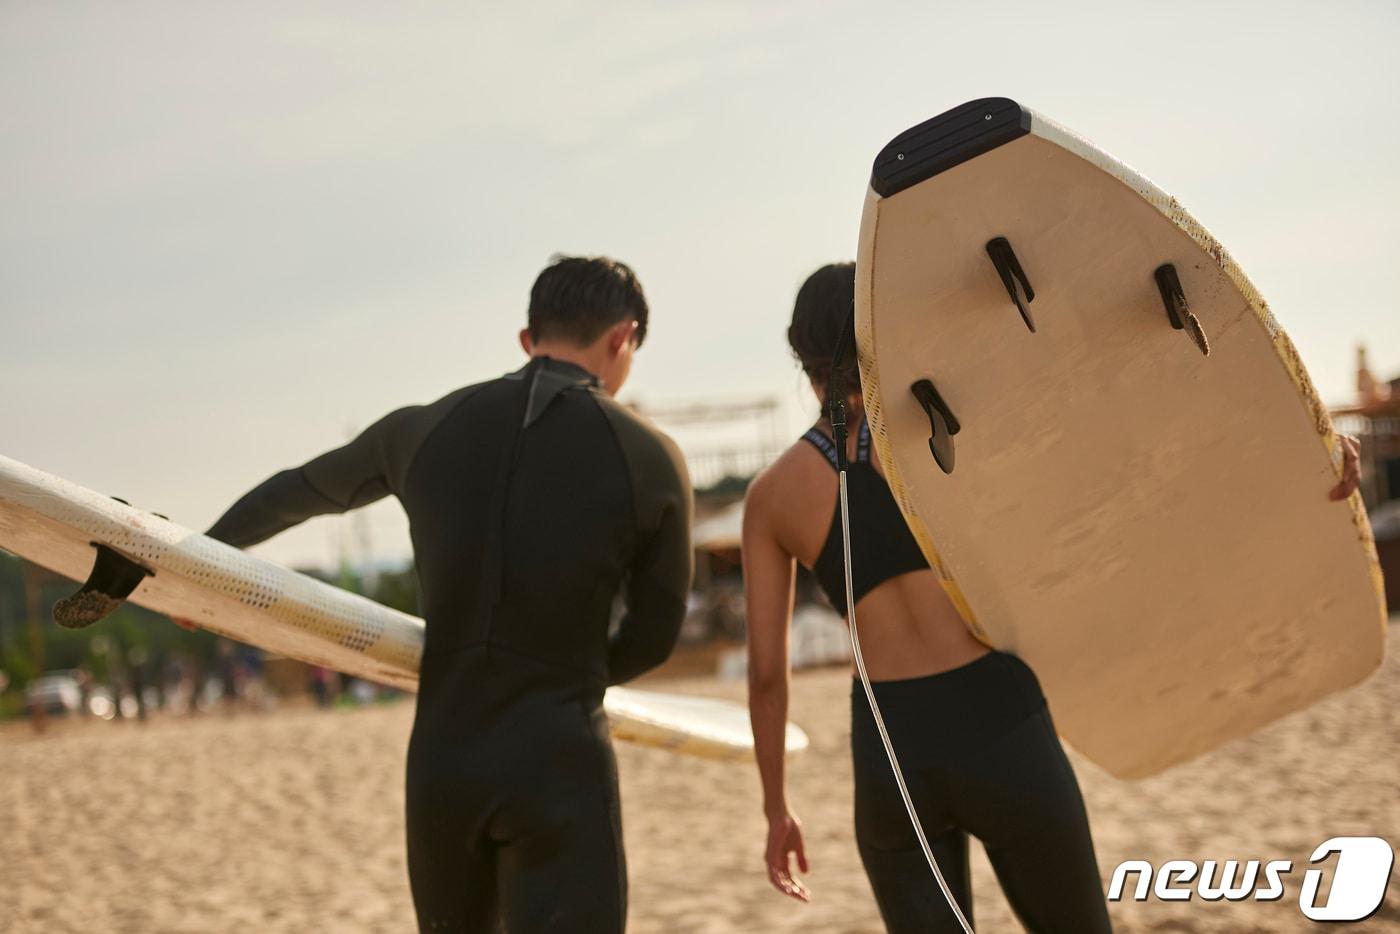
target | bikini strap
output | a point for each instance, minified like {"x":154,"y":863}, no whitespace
{"x":818,"y":439}
{"x":822,"y":442}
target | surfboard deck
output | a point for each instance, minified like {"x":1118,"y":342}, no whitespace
{"x":1137,"y":503}
{"x":58,"y":524}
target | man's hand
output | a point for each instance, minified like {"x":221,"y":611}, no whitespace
{"x":1351,"y":468}
{"x":784,"y":841}
{"x":183,"y":623}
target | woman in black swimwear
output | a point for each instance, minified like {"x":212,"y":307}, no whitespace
{"x":974,"y":736}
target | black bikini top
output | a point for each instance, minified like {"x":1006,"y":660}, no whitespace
{"x":882,"y":546}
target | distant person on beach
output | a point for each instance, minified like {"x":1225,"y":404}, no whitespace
{"x":533,"y":500}
{"x":321,"y":681}
{"x":226,"y":667}
{"x":974,"y":735}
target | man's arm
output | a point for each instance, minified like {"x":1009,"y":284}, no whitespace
{"x":346,"y":478}
{"x":659,"y":580}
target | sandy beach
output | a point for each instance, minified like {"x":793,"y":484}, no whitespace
{"x":291,"y":821}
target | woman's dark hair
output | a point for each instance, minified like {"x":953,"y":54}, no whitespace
{"x":577,"y":298}
{"x":826,"y":301}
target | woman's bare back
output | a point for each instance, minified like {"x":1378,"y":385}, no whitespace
{"x":907,"y":625}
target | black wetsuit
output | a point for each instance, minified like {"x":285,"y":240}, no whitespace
{"x":533,"y":500}
{"x":978,"y":751}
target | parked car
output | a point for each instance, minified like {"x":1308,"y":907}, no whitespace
{"x":55,"y":692}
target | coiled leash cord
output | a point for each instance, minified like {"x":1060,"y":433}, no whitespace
{"x":836,"y":411}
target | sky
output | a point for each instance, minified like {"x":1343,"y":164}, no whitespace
{"x":232,"y":235}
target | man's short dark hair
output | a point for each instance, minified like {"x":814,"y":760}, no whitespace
{"x":577,"y":298}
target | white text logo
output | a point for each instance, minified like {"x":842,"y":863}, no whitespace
{"x":1358,"y":879}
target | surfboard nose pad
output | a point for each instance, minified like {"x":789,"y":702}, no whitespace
{"x":1178,"y":310}
{"x":943,"y":424}
{"x":1013,"y":277}
{"x":114,"y":576}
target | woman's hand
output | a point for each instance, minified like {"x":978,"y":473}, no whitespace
{"x":785,"y":841}
{"x":1351,"y":467}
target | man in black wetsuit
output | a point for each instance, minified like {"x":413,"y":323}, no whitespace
{"x":533,"y":500}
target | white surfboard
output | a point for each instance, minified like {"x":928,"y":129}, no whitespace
{"x":1135,"y":498}
{"x":59,"y":525}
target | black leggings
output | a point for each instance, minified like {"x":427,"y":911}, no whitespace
{"x":981,"y":758}
{"x":513,"y":820}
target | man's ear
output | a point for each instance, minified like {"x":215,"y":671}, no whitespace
{"x":620,"y":334}
{"x":526,"y":344}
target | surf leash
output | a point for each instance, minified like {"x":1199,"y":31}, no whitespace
{"x":836,"y":412}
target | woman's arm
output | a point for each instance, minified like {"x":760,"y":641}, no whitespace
{"x":768,"y":590}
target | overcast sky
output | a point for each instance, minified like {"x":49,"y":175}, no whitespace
{"x":231,"y":234}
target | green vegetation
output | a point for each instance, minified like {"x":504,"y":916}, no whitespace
{"x":27,"y":651}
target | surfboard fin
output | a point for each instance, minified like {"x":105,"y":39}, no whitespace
{"x":1013,"y":277}
{"x":114,"y":576}
{"x":943,"y":424}
{"x":1178,"y":311}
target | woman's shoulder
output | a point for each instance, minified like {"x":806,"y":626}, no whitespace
{"x":795,"y":472}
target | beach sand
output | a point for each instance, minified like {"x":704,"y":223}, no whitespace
{"x":292,"y":821}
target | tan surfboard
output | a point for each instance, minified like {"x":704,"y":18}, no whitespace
{"x":125,"y":553}
{"x":1104,"y":442}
